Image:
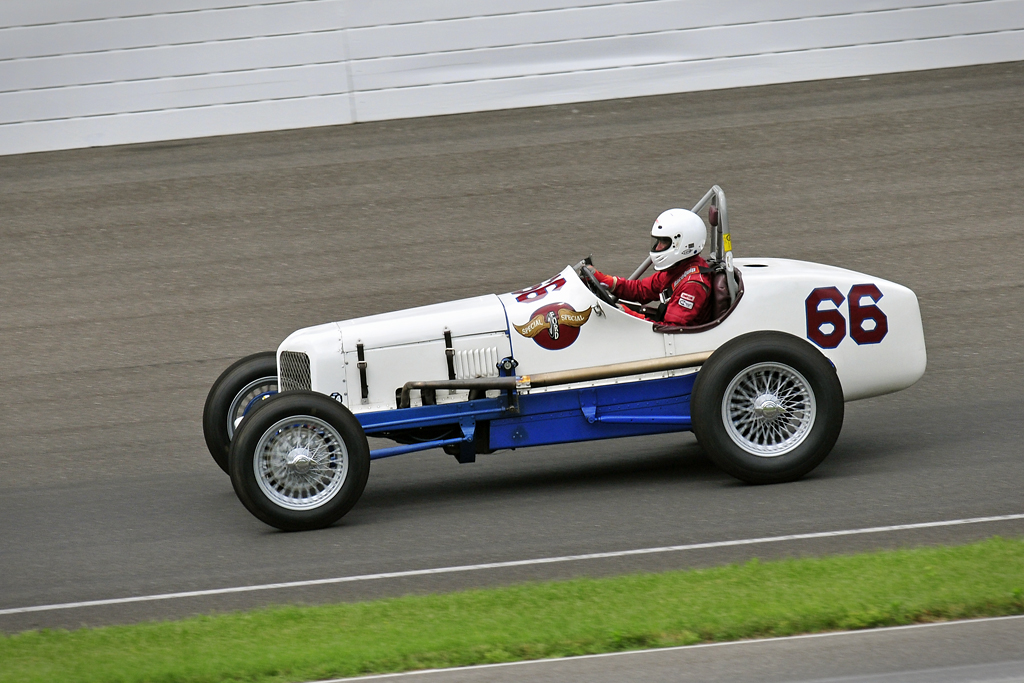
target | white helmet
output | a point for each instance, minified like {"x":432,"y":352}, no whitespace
{"x":678,"y":234}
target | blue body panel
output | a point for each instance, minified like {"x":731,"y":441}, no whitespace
{"x":604,"y":412}
{"x":432,"y":416}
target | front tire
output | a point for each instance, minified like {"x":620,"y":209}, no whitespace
{"x":235,"y":393}
{"x":300,"y":461}
{"x":767,"y":407}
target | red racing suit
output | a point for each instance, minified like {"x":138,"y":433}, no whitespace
{"x":691,"y":289}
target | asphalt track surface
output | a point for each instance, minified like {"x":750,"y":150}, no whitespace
{"x":132,"y":276}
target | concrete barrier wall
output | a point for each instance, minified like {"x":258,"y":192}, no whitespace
{"x":103,"y":72}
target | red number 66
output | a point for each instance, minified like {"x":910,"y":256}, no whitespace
{"x":817,"y":319}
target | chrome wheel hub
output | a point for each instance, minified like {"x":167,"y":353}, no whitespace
{"x":301,"y":462}
{"x":768,"y":409}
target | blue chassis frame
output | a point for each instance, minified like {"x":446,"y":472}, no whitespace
{"x":630,"y":408}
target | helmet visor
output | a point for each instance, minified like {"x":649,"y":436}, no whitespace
{"x":661,"y":244}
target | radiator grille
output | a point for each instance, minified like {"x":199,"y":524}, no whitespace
{"x":295,"y":371}
{"x":471,"y":363}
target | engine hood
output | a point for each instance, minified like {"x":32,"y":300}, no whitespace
{"x":463,"y":318}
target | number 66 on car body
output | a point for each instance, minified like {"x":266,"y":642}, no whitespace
{"x":762,"y":385}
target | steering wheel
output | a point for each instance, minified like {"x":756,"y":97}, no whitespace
{"x":596,"y":287}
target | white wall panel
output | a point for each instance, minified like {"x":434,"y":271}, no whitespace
{"x":33,"y":12}
{"x":366,"y":13}
{"x":580,"y":23}
{"x":174,"y":93}
{"x":171,"y":60}
{"x":710,"y":74}
{"x":77,"y":74}
{"x":175,"y":124}
{"x":678,"y":46}
{"x":169,"y":29}
{"x":97,"y":72}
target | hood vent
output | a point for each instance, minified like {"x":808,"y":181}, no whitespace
{"x":470,"y":363}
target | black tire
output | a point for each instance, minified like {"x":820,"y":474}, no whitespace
{"x":306,"y":494}
{"x":231,"y":393}
{"x":755,"y":439}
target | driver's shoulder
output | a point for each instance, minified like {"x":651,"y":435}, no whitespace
{"x":690,"y":269}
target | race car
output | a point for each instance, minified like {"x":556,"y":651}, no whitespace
{"x":762,"y":385}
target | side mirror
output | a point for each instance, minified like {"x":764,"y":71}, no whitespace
{"x":713,"y":216}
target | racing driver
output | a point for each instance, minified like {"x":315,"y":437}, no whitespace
{"x":680,"y":280}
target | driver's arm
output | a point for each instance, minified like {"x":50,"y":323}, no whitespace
{"x":640,"y":291}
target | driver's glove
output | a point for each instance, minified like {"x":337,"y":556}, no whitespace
{"x":609,"y":281}
{"x":627,"y":309}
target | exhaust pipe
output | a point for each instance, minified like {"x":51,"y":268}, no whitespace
{"x":548,"y":379}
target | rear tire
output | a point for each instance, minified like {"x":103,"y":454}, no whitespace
{"x":300,"y":461}
{"x":235,"y":393}
{"x":767,"y":407}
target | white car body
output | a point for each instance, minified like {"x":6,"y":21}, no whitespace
{"x":409,"y":345}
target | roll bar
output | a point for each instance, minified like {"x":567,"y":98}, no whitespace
{"x":721,"y":238}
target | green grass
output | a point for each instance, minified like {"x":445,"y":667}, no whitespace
{"x":756,"y":599}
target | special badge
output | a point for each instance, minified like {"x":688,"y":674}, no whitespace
{"x":554,"y":326}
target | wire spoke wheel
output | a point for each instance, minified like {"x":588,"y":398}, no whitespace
{"x":237,"y":393}
{"x":247,"y":398}
{"x":768,"y":409}
{"x":301,"y":462}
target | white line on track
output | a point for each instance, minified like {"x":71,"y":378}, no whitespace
{"x":749,"y":641}
{"x":512,"y":563}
